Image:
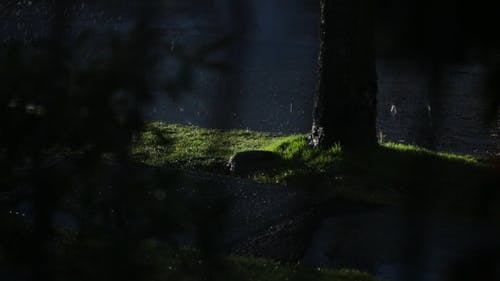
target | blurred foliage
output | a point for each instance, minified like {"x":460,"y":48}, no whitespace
{"x":73,"y":203}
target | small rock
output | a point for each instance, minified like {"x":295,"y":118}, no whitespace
{"x":246,"y":162}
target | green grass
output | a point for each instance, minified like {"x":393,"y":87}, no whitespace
{"x":397,"y":175}
{"x":195,"y":147}
{"x":104,"y":258}
{"x":192,"y":147}
{"x":393,"y":174}
{"x":186,"y":264}
{"x":418,"y":151}
{"x":296,"y":148}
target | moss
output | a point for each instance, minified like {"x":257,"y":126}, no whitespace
{"x":390,"y":174}
{"x":296,"y":148}
{"x":419,"y":151}
{"x":195,"y":147}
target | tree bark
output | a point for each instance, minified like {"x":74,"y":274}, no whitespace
{"x":345,"y":100}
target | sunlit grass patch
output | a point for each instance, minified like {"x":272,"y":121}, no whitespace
{"x":426,"y":152}
{"x":194,"y":147}
{"x":296,"y":148}
{"x":388,"y":174}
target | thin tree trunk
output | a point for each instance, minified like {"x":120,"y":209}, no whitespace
{"x":345,"y":100}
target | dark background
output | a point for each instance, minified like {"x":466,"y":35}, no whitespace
{"x":80,"y":78}
{"x":435,"y":61}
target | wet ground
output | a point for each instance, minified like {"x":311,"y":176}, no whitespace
{"x":324,"y":231}
{"x":396,"y":245}
{"x":244,"y":217}
{"x":270,"y":87}
{"x":270,"y":79}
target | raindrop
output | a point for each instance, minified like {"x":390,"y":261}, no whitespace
{"x":393,"y":110}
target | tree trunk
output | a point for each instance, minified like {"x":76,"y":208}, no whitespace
{"x":345,"y":99}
